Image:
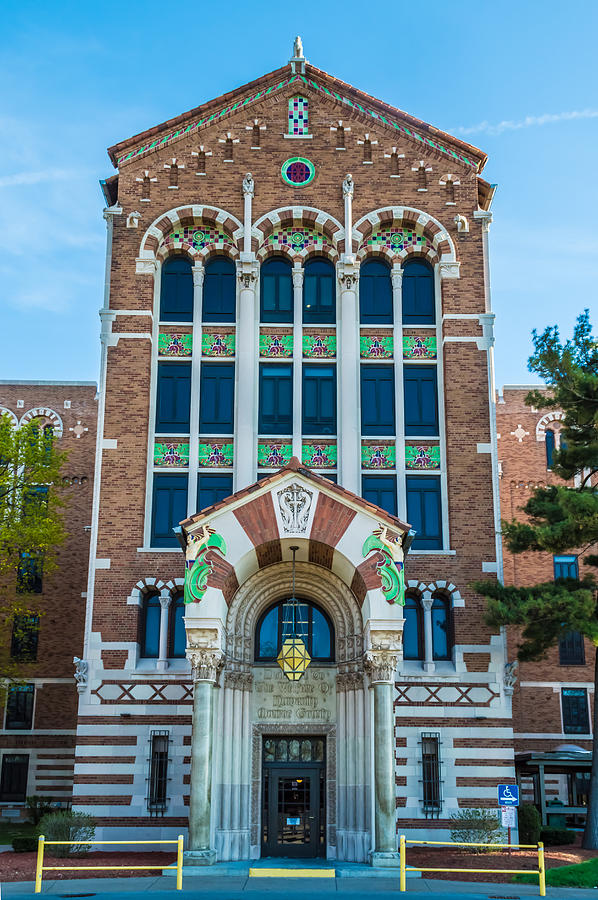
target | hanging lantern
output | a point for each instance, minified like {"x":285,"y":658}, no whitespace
{"x":293,"y":658}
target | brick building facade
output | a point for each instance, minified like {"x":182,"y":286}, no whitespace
{"x":553,"y":698}
{"x":39,"y":719}
{"x":306,"y":356}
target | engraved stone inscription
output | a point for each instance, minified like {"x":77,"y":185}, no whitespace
{"x":312,"y":699}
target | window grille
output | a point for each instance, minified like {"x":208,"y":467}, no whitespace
{"x":13,"y":780}
{"x":431,"y":780}
{"x":576,"y":718}
{"x":571,"y":649}
{"x":157,"y":792}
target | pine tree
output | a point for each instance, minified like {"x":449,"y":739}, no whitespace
{"x":561,"y":518}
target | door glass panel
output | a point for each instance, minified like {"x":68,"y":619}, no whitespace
{"x":293,"y":750}
{"x":306,"y":751}
{"x":294,"y":822}
{"x":281,"y":751}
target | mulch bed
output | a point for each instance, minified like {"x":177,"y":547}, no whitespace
{"x":21,"y":866}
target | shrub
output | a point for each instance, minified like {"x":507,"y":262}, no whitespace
{"x":557,"y":837}
{"x":68,"y":826}
{"x":529,"y":824}
{"x":24,"y":844}
{"x":476,"y":826}
{"x":37,"y":808}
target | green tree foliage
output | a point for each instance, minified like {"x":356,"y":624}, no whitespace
{"x":31,"y":530}
{"x":560,"y":517}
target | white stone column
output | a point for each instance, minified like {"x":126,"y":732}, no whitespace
{"x":349,"y":427}
{"x":297,"y":359}
{"x":165,"y":600}
{"x":397,"y":306}
{"x":198,"y":279}
{"x":427,"y":602}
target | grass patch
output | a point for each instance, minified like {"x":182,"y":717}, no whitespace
{"x":583,"y":875}
{"x":10,"y":830}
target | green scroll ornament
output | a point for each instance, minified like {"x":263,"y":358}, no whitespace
{"x":198,"y":571}
{"x":390,"y":570}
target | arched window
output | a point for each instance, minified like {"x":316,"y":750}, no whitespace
{"x":550,"y":445}
{"x":150,"y":626}
{"x":176,"y":290}
{"x":442,"y":638}
{"x":219,"y":292}
{"x":319,"y":295}
{"x":375,"y":293}
{"x":413,"y":629}
{"x":418,"y":293}
{"x":177,"y":638}
{"x":313,"y":626}
{"x":276,"y":293}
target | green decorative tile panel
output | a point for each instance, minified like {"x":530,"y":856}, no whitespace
{"x":423,"y":456}
{"x":378,"y":455}
{"x":419,"y":347}
{"x":296,"y":239}
{"x":395,"y":240}
{"x":217,"y":343}
{"x":273,"y":454}
{"x":171,"y":455}
{"x":195,"y":238}
{"x":171,"y":344}
{"x":319,"y":454}
{"x":276,"y":345}
{"x":318,"y":345}
{"x":376,"y":346}
{"x":216,"y":454}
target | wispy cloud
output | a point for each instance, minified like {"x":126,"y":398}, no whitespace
{"x":42,"y":175}
{"x":528,"y":122}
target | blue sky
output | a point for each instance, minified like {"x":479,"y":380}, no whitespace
{"x":516,"y":79}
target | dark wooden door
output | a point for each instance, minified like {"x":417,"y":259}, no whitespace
{"x":293,"y":811}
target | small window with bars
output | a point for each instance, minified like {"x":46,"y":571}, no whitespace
{"x":431,"y":780}
{"x":157,"y":792}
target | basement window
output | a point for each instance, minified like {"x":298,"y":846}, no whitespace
{"x":431,"y":781}
{"x":157,"y":799}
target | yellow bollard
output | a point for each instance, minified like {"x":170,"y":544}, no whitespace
{"x":541,"y":869}
{"x":402,"y":879}
{"x":179,"y":864}
{"x":40,"y":863}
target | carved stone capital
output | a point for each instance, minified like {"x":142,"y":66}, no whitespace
{"x":349,"y":681}
{"x":205,"y":663}
{"x":198,"y":275}
{"x":247,"y":273}
{"x":145,"y":266}
{"x":396,"y":276}
{"x":242,"y":681}
{"x":449,"y":269}
{"x":165,"y":601}
{"x":297,"y":278}
{"x":381,"y":665}
{"x":348,"y":275}
{"x":485,"y":217}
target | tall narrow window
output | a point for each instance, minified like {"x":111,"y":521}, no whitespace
{"x":395,"y":164}
{"x":381,"y":490}
{"x":25,"y":631}
{"x":298,"y":116}
{"x":576,"y":718}
{"x":177,"y":637}
{"x":174,"y":175}
{"x":442,"y":641}
{"x":276,"y":399}
{"x":431,"y":783}
{"x":276,"y":291}
{"x":176,"y":290}
{"x":413,"y":628}
{"x":30,"y":574}
{"x":219,"y":291}
{"x":212,"y":488}
{"x":145,"y":187}
{"x":550,"y":447}
{"x":424,"y":511}
{"x":150,"y":626}
{"x":157,"y":794}
{"x":367,"y":150}
{"x":201,"y":162}
{"x":572,"y":650}
{"x":217,"y":388}
{"x":19,"y":707}
{"x":13,"y":781}
{"x":319,"y":399}
{"x":419,"y":307}
{"x":377,"y":400}
{"x":173,"y":398}
{"x":340,"y":137}
{"x":255,"y":136}
{"x":169,"y":507}
{"x":421,"y":400}
{"x":375,"y":293}
{"x":565,"y":567}
{"x":319,"y":294}
{"x":228,"y":149}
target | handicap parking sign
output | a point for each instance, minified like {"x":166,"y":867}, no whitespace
{"x":508,"y":795}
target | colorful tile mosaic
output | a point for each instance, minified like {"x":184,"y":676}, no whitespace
{"x":418,"y":346}
{"x":298,"y":80}
{"x":171,"y":456}
{"x":298,"y":115}
{"x":171,"y":344}
{"x":319,"y":454}
{"x":376,"y":346}
{"x":215,"y":342}
{"x":395,"y":240}
{"x":378,"y":455}
{"x":422,"y":457}
{"x":297,"y":239}
{"x":273,"y":454}
{"x":319,"y":345}
{"x":297,"y":171}
{"x":216,"y":454}
{"x":197,"y":238}
{"x":276,"y":345}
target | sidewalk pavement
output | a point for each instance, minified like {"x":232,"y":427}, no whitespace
{"x":239,"y":887}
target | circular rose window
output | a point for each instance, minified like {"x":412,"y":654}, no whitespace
{"x":298,"y":171}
